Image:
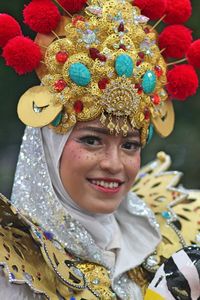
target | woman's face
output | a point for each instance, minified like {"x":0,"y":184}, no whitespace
{"x":97,"y":169}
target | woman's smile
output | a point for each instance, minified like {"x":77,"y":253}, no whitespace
{"x":106,"y":185}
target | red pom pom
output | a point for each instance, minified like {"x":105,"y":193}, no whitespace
{"x":41,"y":16}
{"x":9,"y":28}
{"x":176,"y":40}
{"x":72,"y":6}
{"x":182,"y":82}
{"x":22,"y":54}
{"x":178,"y":11}
{"x":193,"y":54}
{"x":153,"y":9}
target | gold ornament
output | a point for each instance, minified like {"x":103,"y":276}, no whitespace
{"x":36,"y":107}
{"x":106,"y":65}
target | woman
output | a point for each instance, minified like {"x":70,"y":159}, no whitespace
{"x":78,"y":230}
{"x":96,"y":171}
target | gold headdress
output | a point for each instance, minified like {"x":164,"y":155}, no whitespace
{"x":103,"y":63}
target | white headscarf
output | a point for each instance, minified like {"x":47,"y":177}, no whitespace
{"x":110,"y":231}
{"x":120,"y":241}
{"x":102,"y":227}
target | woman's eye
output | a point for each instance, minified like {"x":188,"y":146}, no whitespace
{"x":90,"y":140}
{"x":131,"y":146}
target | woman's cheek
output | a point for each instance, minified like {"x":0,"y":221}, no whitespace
{"x":134,"y":165}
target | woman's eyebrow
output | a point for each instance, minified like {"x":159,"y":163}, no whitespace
{"x":105,"y":131}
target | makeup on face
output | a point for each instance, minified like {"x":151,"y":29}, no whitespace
{"x":97,"y":169}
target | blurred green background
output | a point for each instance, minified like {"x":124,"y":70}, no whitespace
{"x":183,"y":145}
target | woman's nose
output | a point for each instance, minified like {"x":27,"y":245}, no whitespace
{"x":112,"y":161}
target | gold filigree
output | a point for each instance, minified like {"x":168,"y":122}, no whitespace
{"x":96,"y":42}
{"x":176,"y":209}
{"x":141,"y":277}
{"x":50,"y":56}
{"x":29,"y":256}
{"x":120,"y":98}
{"x":98,"y":279}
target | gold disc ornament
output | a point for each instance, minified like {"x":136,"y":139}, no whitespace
{"x":36,"y":107}
{"x":164,"y":124}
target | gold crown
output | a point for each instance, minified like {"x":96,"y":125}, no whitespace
{"x":103,"y":63}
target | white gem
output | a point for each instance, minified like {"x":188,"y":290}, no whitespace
{"x":95,"y":10}
{"x":89,"y":37}
{"x":28,"y":278}
{"x":198,"y":238}
{"x":77,"y":272}
{"x":152,"y":261}
{"x":96,"y":281}
{"x":140,"y":19}
{"x":57,"y":245}
{"x":36,"y":108}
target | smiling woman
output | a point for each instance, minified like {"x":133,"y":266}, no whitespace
{"x":75,"y":227}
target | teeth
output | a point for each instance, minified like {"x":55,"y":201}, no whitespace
{"x":110,"y":185}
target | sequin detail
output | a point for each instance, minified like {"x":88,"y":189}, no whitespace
{"x":124,"y":287}
{"x":47,"y":211}
{"x":139,"y":208}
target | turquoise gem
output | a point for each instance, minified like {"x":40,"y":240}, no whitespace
{"x":57,"y":120}
{"x":166,"y":215}
{"x":38,"y":234}
{"x":149,"y":82}
{"x":80,"y":74}
{"x":150,"y":135}
{"x":124,"y":65}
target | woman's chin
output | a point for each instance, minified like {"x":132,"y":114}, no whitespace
{"x":105,"y":208}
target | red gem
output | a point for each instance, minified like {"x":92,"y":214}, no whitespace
{"x":121,"y":27}
{"x":102,"y":57}
{"x":147,"y":114}
{"x":123,"y":47}
{"x":156,"y":99}
{"x":78,"y":106}
{"x":103,"y":83}
{"x":94,"y":53}
{"x":147,"y":30}
{"x":159,"y":71}
{"x":138,"y":63}
{"x":62,"y":57}
{"x":141,"y":55}
{"x":76,"y":19}
{"x":139,"y":88}
{"x":60,"y":85}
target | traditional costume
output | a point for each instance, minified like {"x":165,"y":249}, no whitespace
{"x":105,"y":62}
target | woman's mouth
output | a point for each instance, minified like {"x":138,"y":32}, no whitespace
{"x":106,"y":186}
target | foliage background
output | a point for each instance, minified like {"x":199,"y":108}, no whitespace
{"x":183,"y":145}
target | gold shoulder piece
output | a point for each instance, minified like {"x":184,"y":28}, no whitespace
{"x":32,"y":256}
{"x":177,"y":210}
